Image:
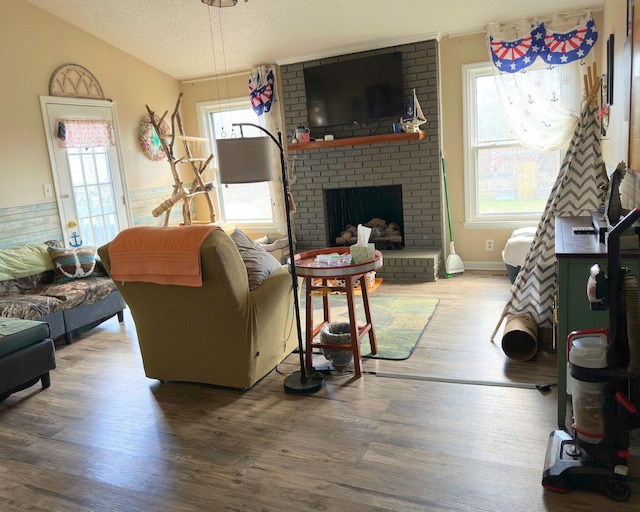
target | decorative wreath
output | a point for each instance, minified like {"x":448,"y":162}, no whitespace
{"x":149,"y":140}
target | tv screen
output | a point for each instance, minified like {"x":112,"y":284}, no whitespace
{"x":356,"y":90}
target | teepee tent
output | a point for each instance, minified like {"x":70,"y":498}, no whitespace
{"x":578,"y":190}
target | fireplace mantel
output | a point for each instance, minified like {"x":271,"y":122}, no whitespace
{"x":355,"y":141}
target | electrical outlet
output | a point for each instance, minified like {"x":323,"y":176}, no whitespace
{"x":488,"y":245}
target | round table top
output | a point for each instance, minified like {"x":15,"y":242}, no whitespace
{"x":306,"y":264}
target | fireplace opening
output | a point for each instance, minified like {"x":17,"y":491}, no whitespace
{"x":379,"y":208}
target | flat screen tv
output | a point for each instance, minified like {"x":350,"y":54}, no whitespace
{"x":355,"y":90}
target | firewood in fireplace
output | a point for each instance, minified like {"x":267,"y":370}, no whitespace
{"x":381,"y":232}
{"x":376,"y":223}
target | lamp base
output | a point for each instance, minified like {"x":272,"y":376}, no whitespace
{"x":296,"y":384}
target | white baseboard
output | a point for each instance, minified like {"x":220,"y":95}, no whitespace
{"x":493,"y":266}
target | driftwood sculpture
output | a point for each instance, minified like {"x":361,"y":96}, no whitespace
{"x":181,"y":191}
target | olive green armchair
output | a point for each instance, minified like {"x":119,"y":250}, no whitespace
{"x":219,"y":333}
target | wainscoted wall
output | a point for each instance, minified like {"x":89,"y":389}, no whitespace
{"x":143,"y":202}
{"x":26,"y":224}
{"x":40,"y":222}
{"x":415,"y":165}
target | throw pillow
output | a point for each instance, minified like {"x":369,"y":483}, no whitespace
{"x":23,"y":261}
{"x":76,"y":263}
{"x":258,"y":262}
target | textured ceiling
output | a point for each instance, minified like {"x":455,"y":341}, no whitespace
{"x":175,"y":36}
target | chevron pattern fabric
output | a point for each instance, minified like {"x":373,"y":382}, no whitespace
{"x":579,"y":190}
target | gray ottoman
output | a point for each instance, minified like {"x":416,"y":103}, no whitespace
{"x":27,"y":354}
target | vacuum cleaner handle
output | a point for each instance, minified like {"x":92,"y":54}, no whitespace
{"x":619,"y":355}
{"x":613,"y":241}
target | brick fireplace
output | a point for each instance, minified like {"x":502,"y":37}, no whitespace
{"x":414,"y":166}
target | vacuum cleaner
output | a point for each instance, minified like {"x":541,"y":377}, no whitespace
{"x":604,"y":367}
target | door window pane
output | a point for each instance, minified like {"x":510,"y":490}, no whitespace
{"x":102,"y":166}
{"x":82,"y":204}
{"x":93,"y":195}
{"x":89,"y":166}
{"x":108,"y":201}
{"x":75,"y":168}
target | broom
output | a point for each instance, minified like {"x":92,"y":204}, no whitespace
{"x":453,"y":264}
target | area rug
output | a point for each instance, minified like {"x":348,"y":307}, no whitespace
{"x":398,"y":321}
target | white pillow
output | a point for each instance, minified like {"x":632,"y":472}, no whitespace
{"x":258,"y":262}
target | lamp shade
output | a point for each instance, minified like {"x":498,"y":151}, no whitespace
{"x":245,"y":160}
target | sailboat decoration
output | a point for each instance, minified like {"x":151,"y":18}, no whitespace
{"x":414,"y":118}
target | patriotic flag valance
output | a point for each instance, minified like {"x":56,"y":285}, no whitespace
{"x":261,"y":89}
{"x":541,"y":41}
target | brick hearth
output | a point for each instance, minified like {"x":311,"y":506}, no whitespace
{"x":411,"y":265}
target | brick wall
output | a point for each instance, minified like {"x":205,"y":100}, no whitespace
{"x":415,"y":165}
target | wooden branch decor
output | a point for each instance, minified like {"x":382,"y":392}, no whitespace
{"x":181,"y":192}
{"x":591,"y":84}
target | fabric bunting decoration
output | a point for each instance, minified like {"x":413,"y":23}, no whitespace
{"x":555,"y":48}
{"x":261,"y":89}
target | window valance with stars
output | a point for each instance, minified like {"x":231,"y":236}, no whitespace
{"x":540,"y":41}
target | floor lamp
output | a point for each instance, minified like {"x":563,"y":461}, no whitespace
{"x":248,"y":160}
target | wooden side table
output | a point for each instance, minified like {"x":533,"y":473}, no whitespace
{"x":308,"y":267}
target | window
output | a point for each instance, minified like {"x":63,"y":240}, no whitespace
{"x":248,"y":204}
{"x":506,"y":183}
{"x":93,"y":195}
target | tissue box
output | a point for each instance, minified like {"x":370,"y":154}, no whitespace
{"x":363,"y":253}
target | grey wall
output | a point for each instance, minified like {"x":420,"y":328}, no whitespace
{"x":415,"y":164}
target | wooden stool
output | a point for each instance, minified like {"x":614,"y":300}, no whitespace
{"x":308,"y":268}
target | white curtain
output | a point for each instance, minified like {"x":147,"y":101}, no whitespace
{"x":265,"y":103}
{"x":539,"y":65}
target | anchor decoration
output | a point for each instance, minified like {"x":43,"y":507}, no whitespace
{"x":79,"y":272}
{"x":75,"y":244}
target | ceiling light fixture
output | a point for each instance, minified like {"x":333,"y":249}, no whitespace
{"x":221,"y":3}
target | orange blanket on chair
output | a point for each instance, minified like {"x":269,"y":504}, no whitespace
{"x":162,"y":255}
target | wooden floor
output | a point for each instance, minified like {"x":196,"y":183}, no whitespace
{"x":106,"y":438}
